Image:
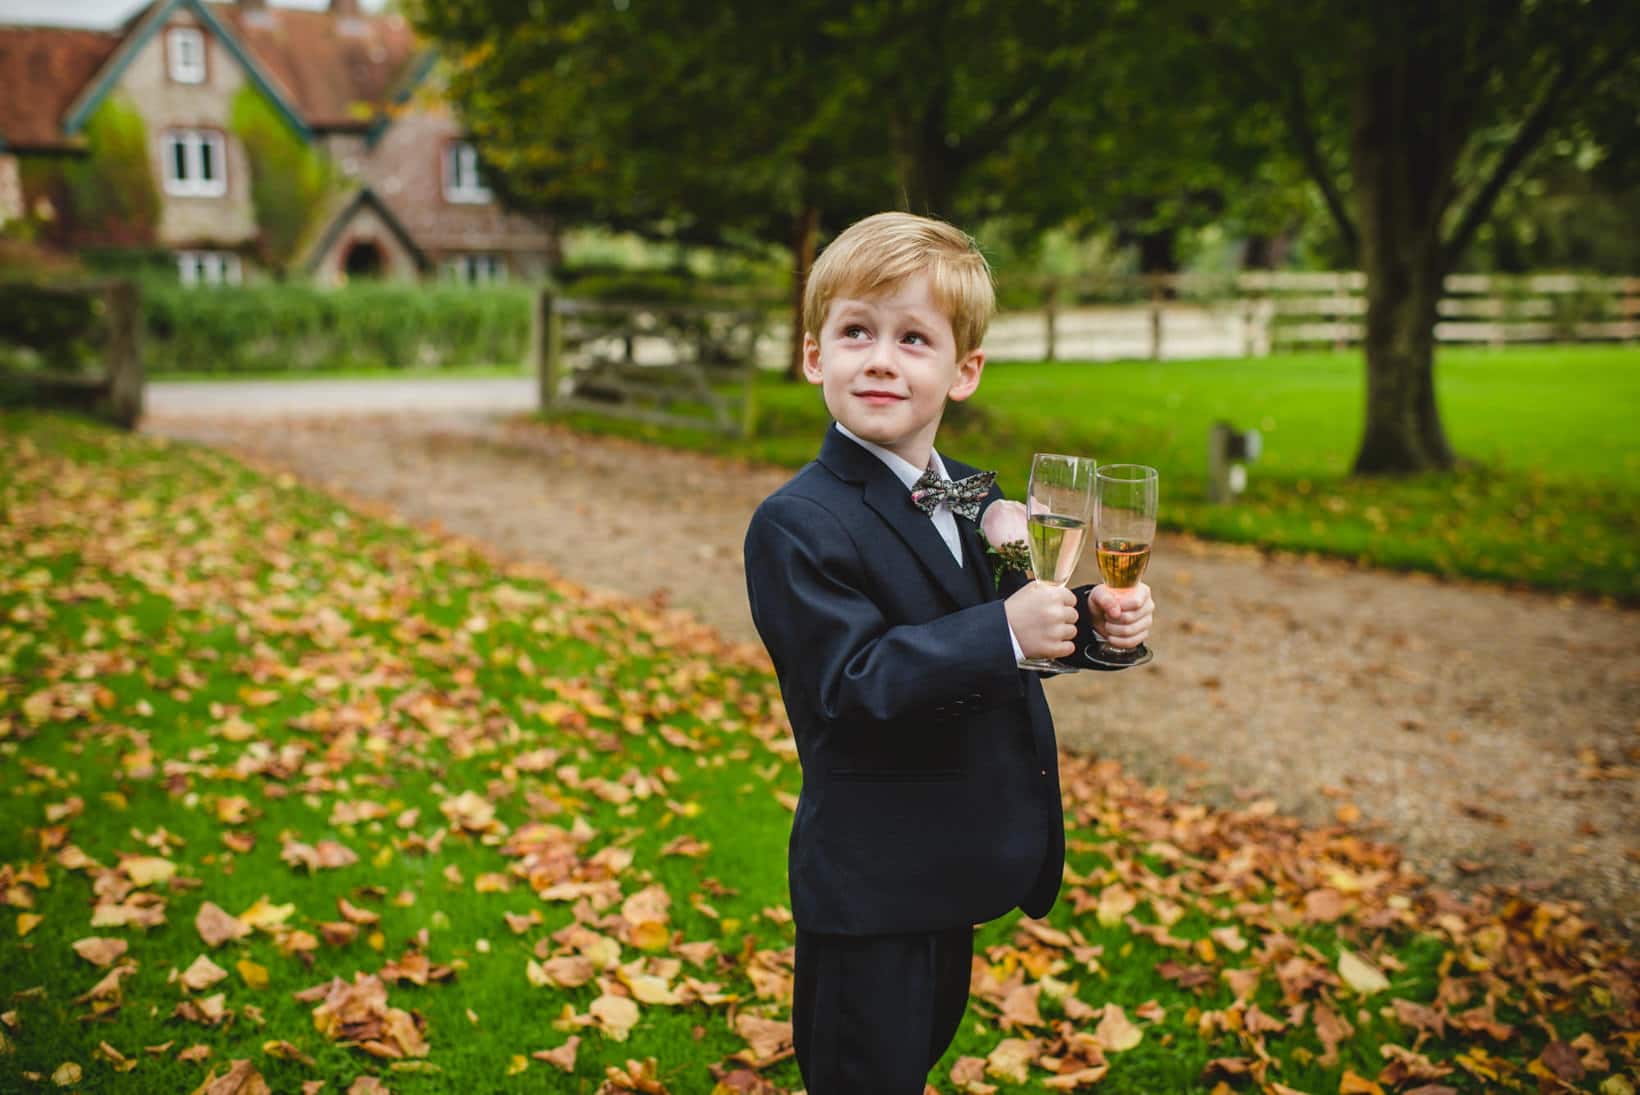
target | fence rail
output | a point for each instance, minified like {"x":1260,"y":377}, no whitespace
{"x":1260,"y":312}
{"x":662,"y":364}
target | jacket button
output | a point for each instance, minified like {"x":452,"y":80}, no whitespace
{"x":1044,"y":771}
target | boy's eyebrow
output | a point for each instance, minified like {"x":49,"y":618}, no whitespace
{"x":914,"y":318}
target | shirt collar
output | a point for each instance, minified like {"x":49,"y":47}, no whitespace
{"x":904,"y":470}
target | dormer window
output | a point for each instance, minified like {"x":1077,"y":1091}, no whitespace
{"x":185,"y":54}
{"x":461,"y":178}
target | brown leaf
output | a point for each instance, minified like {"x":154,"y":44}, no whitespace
{"x":1116,"y":1032}
{"x":968,"y":1074}
{"x":100,"y":951}
{"x":1011,"y":1059}
{"x":202,"y":975}
{"x":768,"y":1039}
{"x":615,"y":1015}
{"x":216,"y":927}
{"x":354,"y":914}
{"x":562,"y":1058}
{"x":240,"y":1079}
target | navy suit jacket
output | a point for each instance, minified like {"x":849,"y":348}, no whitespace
{"x":930,"y":772}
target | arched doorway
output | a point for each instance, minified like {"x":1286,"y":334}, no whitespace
{"x":364,"y":259}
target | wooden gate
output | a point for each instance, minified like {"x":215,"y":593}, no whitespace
{"x":665,"y":364}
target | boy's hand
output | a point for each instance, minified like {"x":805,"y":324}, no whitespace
{"x":1043,"y":619}
{"x":1122,"y":616}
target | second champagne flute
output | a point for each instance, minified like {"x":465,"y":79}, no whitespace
{"x":1058,"y":511}
{"x":1125,"y":499}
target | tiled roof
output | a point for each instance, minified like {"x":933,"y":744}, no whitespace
{"x":337,"y":70}
{"x":42,"y":69}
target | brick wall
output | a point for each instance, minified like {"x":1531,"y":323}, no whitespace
{"x":406,"y":169}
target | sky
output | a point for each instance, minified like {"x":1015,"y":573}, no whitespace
{"x":107,"y":13}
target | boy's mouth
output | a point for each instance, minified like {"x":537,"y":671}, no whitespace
{"x":878,"y":397}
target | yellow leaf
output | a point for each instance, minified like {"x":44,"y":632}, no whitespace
{"x":650,"y":935}
{"x":266,"y":916}
{"x":1359,"y":974}
{"x":27,"y":922}
{"x":255,"y":976}
{"x":67,"y":1074}
{"x":145,"y":870}
{"x":518,"y":1064}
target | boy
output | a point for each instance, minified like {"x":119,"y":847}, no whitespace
{"x":930,"y":794}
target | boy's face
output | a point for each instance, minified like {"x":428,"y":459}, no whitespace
{"x":888,"y":364}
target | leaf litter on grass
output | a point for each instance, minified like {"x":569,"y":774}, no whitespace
{"x":439,"y":821}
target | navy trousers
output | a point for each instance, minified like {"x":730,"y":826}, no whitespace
{"x":872,"y":1014}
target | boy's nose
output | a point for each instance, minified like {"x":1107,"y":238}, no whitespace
{"x":881,"y":359}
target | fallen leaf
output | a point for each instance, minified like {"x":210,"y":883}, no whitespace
{"x":202,"y":974}
{"x":216,"y":927}
{"x":100,"y":951}
{"x":615,"y":1015}
{"x":562,"y":1058}
{"x":1359,"y":974}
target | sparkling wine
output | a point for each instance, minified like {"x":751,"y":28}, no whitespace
{"x":1056,"y":544}
{"x":1122,"y":562}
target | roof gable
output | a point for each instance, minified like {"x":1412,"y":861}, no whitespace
{"x":340,"y":71}
{"x":42,"y":69}
{"x":333,"y":222}
{"x":142,"y":32}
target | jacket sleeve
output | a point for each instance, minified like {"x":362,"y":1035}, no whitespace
{"x":835,"y":650}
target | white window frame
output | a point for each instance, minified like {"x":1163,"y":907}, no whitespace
{"x":462,"y":181}
{"x":185,"y":69}
{"x":476,"y":268}
{"x":209,"y":268}
{"x":192,"y":183}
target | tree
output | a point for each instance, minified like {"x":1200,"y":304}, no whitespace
{"x":1413,"y":119}
{"x":737,"y":120}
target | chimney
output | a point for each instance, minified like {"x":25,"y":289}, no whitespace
{"x":346,"y":8}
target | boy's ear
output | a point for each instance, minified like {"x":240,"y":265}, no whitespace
{"x":811,"y":359}
{"x":968,"y":373}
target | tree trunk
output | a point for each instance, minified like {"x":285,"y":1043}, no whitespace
{"x":1403,"y":169}
{"x":805,"y":227}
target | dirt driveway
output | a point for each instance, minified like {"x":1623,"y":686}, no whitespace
{"x":1493,"y":734}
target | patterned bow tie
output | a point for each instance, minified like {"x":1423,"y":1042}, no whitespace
{"x":962,"y":495}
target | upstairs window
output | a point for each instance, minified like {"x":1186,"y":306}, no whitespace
{"x":185,"y":54}
{"x":461,"y":178}
{"x":195,"y":163}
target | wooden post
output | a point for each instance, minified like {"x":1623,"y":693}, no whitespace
{"x":125,"y":377}
{"x":546,"y":346}
{"x":748,"y":392}
{"x":1050,"y":314}
{"x":1155,"y":318}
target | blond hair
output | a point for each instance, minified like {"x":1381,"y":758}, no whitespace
{"x":877,"y":254}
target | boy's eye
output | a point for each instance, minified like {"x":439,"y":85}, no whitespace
{"x":854,"y":330}
{"x":916,"y":336}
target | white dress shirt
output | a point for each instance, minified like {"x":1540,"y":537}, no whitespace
{"x":945,"y":522}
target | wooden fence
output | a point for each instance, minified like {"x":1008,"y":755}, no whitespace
{"x":75,"y":347}
{"x":1256,"y":313}
{"x":662,"y":364}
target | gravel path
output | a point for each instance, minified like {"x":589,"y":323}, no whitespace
{"x":1493,"y":734}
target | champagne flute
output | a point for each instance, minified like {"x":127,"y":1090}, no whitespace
{"x":1058,"y":511}
{"x":1124,"y":516}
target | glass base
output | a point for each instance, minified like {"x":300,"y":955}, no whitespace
{"x":1050,"y":666}
{"x":1103,"y":656}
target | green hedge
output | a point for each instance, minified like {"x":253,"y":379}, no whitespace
{"x":300,"y":328}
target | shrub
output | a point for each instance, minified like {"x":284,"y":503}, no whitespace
{"x":302,"y":328}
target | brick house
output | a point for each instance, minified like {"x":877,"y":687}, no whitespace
{"x":402,"y":195}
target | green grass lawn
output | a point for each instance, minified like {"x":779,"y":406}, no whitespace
{"x":239,"y":720}
{"x":1548,"y":494}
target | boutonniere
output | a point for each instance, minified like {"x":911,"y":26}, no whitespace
{"x":1004,"y":528}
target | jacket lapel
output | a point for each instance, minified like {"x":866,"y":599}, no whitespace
{"x":889,"y":499}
